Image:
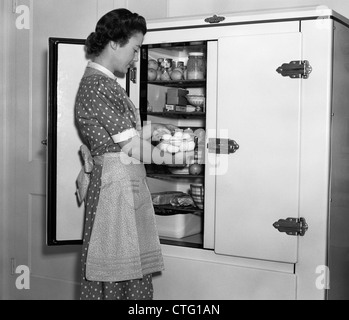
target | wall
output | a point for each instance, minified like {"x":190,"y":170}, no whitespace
{"x":69,"y":19}
{"x":23,"y":91}
{"x":6,"y":167}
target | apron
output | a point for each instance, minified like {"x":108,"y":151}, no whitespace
{"x":124,"y":242}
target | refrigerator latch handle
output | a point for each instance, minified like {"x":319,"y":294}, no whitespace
{"x":292,"y":226}
{"x":296,"y":69}
{"x":222,"y":146}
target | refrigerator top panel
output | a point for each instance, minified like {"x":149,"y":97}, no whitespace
{"x":245,"y":17}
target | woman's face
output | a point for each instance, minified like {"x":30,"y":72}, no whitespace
{"x":125,"y":56}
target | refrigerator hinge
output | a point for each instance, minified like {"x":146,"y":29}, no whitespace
{"x":296,"y":69}
{"x":292,"y":226}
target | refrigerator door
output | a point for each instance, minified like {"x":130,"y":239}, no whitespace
{"x":67,"y":63}
{"x":259,"y":109}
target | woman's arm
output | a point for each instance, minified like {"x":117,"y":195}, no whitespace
{"x":144,"y":151}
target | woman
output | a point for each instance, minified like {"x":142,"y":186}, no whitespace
{"x":121,"y":248}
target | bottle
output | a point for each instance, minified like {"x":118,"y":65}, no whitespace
{"x":166,"y":65}
{"x":196,"y":66}
{"x":165,"y":75}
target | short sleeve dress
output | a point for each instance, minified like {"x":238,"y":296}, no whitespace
{"x":121,"y":248}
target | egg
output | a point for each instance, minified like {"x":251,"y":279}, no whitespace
{"x":176,"y":142}
{"x":178,"y":134}
{"x":163,"y":146}
{"x":166,"y":136}
{"x":172,"y":149}
{"x":186,"y":136}
{"x":184,"y":146}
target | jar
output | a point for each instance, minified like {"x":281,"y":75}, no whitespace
{"x":196,"y":67}
{"x":178,"y":65}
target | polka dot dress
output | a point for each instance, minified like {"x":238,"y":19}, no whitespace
{"x":102,"y":110}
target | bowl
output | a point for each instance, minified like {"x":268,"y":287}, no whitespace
{"x":196,"y":100}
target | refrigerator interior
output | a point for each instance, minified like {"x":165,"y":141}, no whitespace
{"x":183,"y":224}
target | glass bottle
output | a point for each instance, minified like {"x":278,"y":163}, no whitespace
{"x":166,"y":69}
{"x":196,"y":67}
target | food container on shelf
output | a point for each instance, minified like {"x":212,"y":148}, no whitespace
{"x":179,"y":169}
{"x":165,"y":197}
{"x":178,"y":225}
{"x":196,"y":100}
{"x":176,"y":96}
{"x":196,"y":66}
{"x":197,"y":193}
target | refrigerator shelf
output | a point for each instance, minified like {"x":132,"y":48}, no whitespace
{"x":179,"y":83}
{"x":195,"y":241}
{"x":162,"y":172}
{"x":174,"y":176}
{"x":176,"y":114}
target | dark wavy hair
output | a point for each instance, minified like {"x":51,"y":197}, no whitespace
{"x":117,"y":25}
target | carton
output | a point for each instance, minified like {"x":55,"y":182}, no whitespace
{"x":176,"y":96}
